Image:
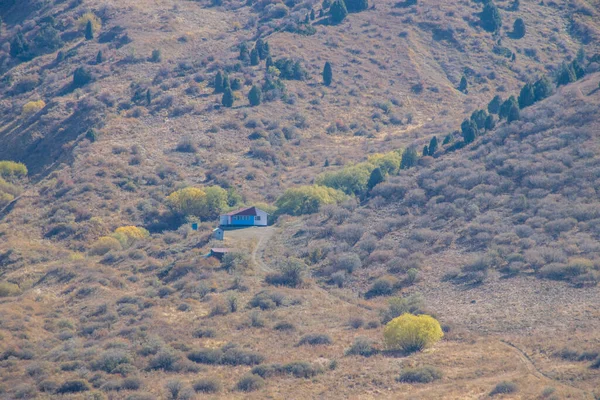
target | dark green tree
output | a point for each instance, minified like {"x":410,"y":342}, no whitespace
{"x":491,"y":20}
{"x":99,"y":57}
{"x":448,"y":139}
{"x":244,"y":55}
{"x":490,"y":123}
{"x":18,"y":46}
{"x":254,"y":58}
{"x":469,"y":130}
{"x":81,"y":77}
{"x":425,"y":151}
{"x":326,"y":164}
{"x":479,"y":117}
{"x":519,"y":28}
{"x":236,"y":84}
{"x":515,"y":5}
{"x":433,"y":145}
{"x":355,"y":6}
{"x":566,"y":75}
{"x":255,"y":96}
{"x":542,"y":88}
{"x":327,"y":74}
{"x":321,"y":14}
{"x":89,"y":30}
{"x":226,"y":82}
{"x":463,"y":86}
{"x":312,"y":14}
{"x":513,"y":114}
{"x":506,"y":106}
{"x":156,"y":56}
{"x":307,"y":19}
{"x":527,"y":96}
{"x":579,"y":71}
{"x":338,"y":11}
{"x":227,"y":99}
{"x":269,"y":63}
{"x":409,"y":158}
{"x":219,"y":82}
{"x":260,"y":47}
{"x":375,"y":178}
{"x":494,"y":105}
{"x":148,"y":97}
{"x":326,"y":4}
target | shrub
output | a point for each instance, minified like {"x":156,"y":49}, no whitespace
{"x":504,"y":388}
{"x":207,"y":385}
{"x":81,"y":77}
{"x":111,"y":360}
{"x":356,"y":322}
{"x":11,"y":169}
{"x":284,"y":326}
{"x":419,"y":375}
{"x":204,"y":203}
{"x":381,"y":287}
{"x":33,"y":107}
{"x":307,"y":199}
{"x":412,"y":333}
{"x":73,"y":386}
{"x":165,"y":360}
{"x":82,"y":21}
{"x":291,"y":273}
{"x":412,"y":304}
{"x":225,"y":356}
{"x":8,"y":289}
{"x":362,"y":347}
{"x":315,"y":339}
{"x":266,"y":300}
{"x":104,"y":245}
{"x":235,"y":261}
{"x":250,"y":383}
{"x":298,"y":369}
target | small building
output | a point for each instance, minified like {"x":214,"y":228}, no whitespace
{"x":249,"y":216}
{"x":218,"y":253}
{"x":218,"y":233}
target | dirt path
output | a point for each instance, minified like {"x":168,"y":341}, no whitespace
{"x":262,"y":235}
{"x":533,"y":370}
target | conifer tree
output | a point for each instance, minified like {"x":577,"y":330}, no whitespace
{"x":89,"y":30}
{"x":527,"y":96}
{"x":260,"y":47}
{"x":219,"y":82}
{"x":148,"y":97}
{"x":433,"y":144}
{"x":227,"y":99}
{"x":254,"y":58}
{"x":255,"y":96}
{"x":490,"y":123}
{"x":542,"y":88}
{"x":494,"y":105}
{"x":506,"y":106}
{"x":469,"y":130}
{"x":490,"y":17}
{"x":463,"y":86}
{"x":244,"y":56}
{"x":425,"y":151}
{"x":566,"y":75}
{"x":375,"y":178}
{"x":479,"y":117}
{"x":355,"y":6}
{"x":327,"y":74}
{"x":338,"y":11}
{"x":577,"y":69}
{"x":226,"y":82}
{"x":81,"y":77}
{"x":409,"y":158}
{"x":519,"y":28}
{"x":513,"y":114}
{"x":269,"y":63}
{"x":18,"y":46}
{"x":312,"y":14}
{"x":99,"y":57}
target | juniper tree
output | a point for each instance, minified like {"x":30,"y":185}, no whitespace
{"x":527,"y":96}
{"x":99,"y":57}
{"x":519,"y":28}
{"x":243,"y":52}
{"x":469,"y":130}
{"x":433,"y":144}
{"x":577,"y":69}
{"x":542,"y":88}
{"x":327,"y":74}
{"x":312,"y":14}
{"x":89,"y":30}
{"x":375,"y":178}
{"x":409,"y":158}
{"x":513,"y":114}
{"x":566,"y":75}
{"x":479,"y":117}
{"x":260,"y":47}
{"x":490,"y":17}
{"x":255,"y":96}
{"x":338,"y":11}
{"x":425,"y":151}
{"x":506,"y":106}
{"x":148,"y":97}
{"x":236,"y":84}
{"x":81,"y":77}
{"x":227,"y":99}
{"x":226,"y":83}
{"x":494,"y":105}
{"x":463,"y":86}
{"x":18,"y":46}
{"x":254,"y":58}
{"x":355,"y":6}
{"x":268,"y":63}
{"x":219,"y":82}
{"x":156,"y":56}
{"x":490,"y":123}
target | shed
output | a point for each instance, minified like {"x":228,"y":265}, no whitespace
{"x":218,"y":233}
{"x":249,"y":216}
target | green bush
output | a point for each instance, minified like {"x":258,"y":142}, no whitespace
{"x":250,"y":383}
{"x":8,"y":289}
{"x":504,"y":388}
{"x":291,"y":273}
{"x":11,"y":169}
{"x":419,"y":375}
{"x":73,"y":386}
{"x":315,"y":339}
{"x":235,"y":261}
{"x":298,"y":369}
{"x":307,"y":199}
{"x":361,"y":347}
{"x":207,"y":385}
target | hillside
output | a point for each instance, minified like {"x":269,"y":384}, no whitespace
{"x":105,"y":290}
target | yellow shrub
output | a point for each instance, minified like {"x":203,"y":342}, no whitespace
{"x":8,"y":289}
{"x":205,"y":204}
{"x":411,"y":333}
{"x":307,"y":199}
{"x":5,"y":198}
{"x":10,"y":169}
{"x":89,"y":16}
{"x":104,"y":245}
{"x":33,"y":107}
{"x":126,"y":235}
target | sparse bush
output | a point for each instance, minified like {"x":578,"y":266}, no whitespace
{"x":356,"y":322}
{"x":266,"y":300}
{"x":33,"y":107}
{"x":412,"y":333}
{"x":315,"y":339}
{"x":73,"y":386}
{"x":291,"y":273}
{"x":361,"y":347}
{"x":398,"y":306}
{"x":207,"y":385}
{"x":111,"y":360}
{"x":8,"y":289}
{"x":419,"y":375}
{"x":381,"y":287}
{"x":104,"y":245}
{"x":165,"y":360}
{"x":284,"y":326}
{"x":504,"y":388}
{"x":250,"y":383}
{"x":235,"y":261}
